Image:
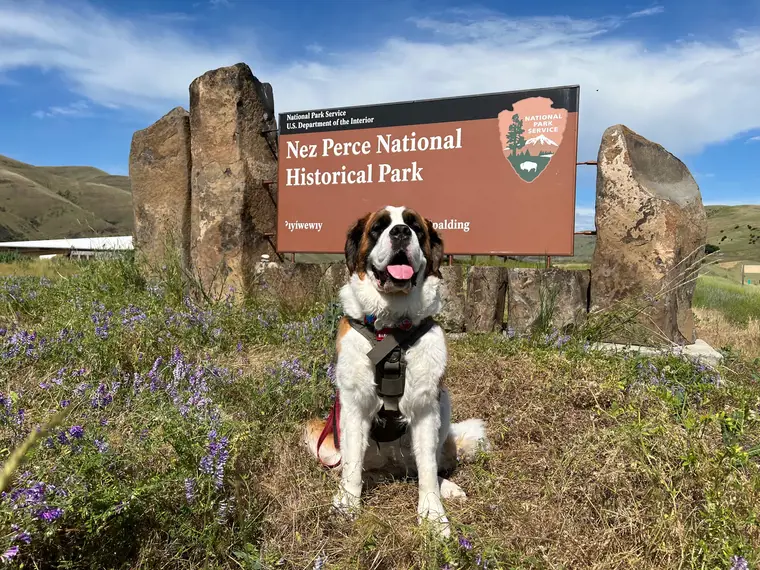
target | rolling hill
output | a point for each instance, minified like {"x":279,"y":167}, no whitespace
{"x":47,"y":202}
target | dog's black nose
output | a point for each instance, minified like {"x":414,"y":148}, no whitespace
{"x":400,"y":232}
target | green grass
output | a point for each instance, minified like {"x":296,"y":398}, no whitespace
{"x":61,"y":202}
{"x":737,"y":303}
{"x":180,"y":446}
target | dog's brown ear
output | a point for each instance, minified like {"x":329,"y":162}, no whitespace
{"x":353,"y":242}
{"x":436,"y":250}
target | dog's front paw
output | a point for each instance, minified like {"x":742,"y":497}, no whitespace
{"x":346,"y":504}
{"x":450,"y":490}
{"x":431,"y":509}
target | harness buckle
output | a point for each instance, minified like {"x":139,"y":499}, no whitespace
{"x":390,"y":375}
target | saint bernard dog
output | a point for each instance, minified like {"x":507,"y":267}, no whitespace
{"x":393,"y":257}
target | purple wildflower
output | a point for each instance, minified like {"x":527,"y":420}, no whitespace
{"x":24,"y":537}
{"x":464,"y":543}
{"x":49,"y":514}
{"x":190,"y":490}
{"x":6,"y":403}
{"x":9,"y":554}
{"x":739,"y":563}
{"x":214,"y":461}
{"x":100,"y":445}
{"x":76,"y":432}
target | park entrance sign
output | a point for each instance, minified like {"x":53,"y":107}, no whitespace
{"x":494,"y":173}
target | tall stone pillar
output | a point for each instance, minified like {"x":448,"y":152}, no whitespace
{"x":159,"y":171}
{"x":651,"y":229}
{"x":233,"y":209}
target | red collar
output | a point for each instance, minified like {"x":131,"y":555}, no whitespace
{"x":404,"y":325}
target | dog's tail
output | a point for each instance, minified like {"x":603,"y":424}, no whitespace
{"x":468,"y":438}
{"x":328,"y":454}
{"x":463,"y":443}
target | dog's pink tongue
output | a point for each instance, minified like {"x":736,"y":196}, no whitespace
{"x":401,"y":272}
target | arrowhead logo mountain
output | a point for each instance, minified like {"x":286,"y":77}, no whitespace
{"x":530,"y":135}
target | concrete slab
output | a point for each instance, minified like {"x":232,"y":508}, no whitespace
{"x":699,"y":352}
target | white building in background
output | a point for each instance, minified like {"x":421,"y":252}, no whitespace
{"x":76,"y":247}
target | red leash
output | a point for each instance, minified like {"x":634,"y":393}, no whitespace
{"x":332,"y":424}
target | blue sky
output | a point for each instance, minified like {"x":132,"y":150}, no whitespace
{"x":78,"y":78}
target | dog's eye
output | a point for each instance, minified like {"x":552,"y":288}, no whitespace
{"x":416,"y":228}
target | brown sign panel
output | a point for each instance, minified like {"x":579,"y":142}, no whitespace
{"x":494,"y":173}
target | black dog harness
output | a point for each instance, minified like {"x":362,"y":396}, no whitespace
{"x":388,"y":356}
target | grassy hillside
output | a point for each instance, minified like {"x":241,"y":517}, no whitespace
{"x":180,"y":446}
{"x":58,"y":202}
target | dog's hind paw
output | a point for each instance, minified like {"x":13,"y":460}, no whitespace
{"x":450,"y":490}
{"x":346,"y":505}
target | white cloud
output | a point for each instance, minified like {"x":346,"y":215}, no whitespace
{"x":76,"y":109}
{"x":754,"y":139}
{"x":684,"y":95}
{"x":584,"y":218}
{"x":114,"y":62}
{"x":654,"y":10}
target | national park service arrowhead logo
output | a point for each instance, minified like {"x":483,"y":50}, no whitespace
{"x":530,"y":134}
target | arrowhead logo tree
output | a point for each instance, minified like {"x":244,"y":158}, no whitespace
{"x":515,"y":138}
{"x":530,"y":134}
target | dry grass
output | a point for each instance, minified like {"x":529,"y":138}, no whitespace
{"x":569,"y":484}
{"x":718,"y":331}
{"x":34,"y":267}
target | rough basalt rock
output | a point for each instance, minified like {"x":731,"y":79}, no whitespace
{"x":651,"y":232}
{"x":546,"y":298}
{"x":159,"y":171}
{"x":453,"y":298}
{"x":486,"y":298}
{"x":234,"y":147}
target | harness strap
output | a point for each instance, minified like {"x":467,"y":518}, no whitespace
{"x":393,"y":338}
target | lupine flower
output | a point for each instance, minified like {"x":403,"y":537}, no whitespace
{"x":49,"y":514}
{"x":739,"y":563}
{"x":9,"y":554}
{"x":464,"y":543}
{"x":100,"y":445}
{"x":214,"y":461}
{"x":76,"y":431}
{"x":190,"y":490}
